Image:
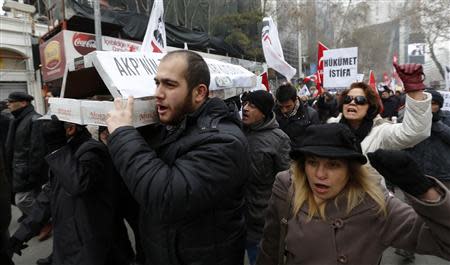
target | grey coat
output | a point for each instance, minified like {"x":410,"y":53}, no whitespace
{"x":269,"y":154}
{"x":359,"y":237}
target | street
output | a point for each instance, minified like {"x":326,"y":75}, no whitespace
{"x":37,"y":250}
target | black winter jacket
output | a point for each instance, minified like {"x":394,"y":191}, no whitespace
{"x":190,"y":187}
{"x":25,"y":152}
{"x":295,"y":126}
{"x":269,"y":153}
{"x":433,"y":153}
{"x":82,"y":201}
{"x":5,"y":185}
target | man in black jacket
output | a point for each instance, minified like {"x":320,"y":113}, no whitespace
{"x":5,"y":190}
{"x":269,"y":153}
{"x":292,"y":114}
{"x":190,"y":185}
{"x":80,"y":195}
{"x":24,"y":151}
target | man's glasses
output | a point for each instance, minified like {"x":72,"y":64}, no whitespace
{"x":359,"y":100}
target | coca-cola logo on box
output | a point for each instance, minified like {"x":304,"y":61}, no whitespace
{"x":83,"y":43}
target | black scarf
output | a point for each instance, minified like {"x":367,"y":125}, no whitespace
{"x":436,"y":116}
{"x":362,"y":131}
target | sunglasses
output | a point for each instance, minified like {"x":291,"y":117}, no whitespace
{"x":359,"y":100}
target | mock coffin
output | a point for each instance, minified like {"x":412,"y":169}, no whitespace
{"x":91,"y":82}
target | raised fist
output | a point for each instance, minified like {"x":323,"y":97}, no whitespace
{"x":411,"y":75}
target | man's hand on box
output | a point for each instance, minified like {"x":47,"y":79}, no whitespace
{"x":121,"y":115}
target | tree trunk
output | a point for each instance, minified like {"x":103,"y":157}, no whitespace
{"x":433,"y":57}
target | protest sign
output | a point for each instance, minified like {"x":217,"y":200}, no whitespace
{"x":340,"y":67}
{"x":359,"y":77}
{"x":446,"y":96}
{"x":304,"y":91}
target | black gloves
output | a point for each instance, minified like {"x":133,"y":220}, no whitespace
{"x":54,"y":133}
{"x":16,"y":246}
{"x":399,"y":168}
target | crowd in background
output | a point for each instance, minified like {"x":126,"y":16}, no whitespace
{"x":277,"y":176}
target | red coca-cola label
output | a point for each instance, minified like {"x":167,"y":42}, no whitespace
{"x":83,"y":43}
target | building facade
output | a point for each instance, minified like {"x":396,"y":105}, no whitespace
{"x":17,"y":70}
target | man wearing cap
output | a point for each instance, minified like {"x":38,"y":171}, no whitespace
{"x":433,"y":153}
{"x":25,"y":151}
{"x":269,"y":154}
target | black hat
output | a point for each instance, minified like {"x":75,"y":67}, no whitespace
{"x":331,"y":140}
{"x":263,"y":100}
{"x":437,"y":97}
{"x":20,"y":96}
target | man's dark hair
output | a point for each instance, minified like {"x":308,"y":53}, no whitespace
{"x":197,"y":71}
{"x":285,"y":93}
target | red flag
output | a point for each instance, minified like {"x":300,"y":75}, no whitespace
{"x":265,"y":81}
{"x":373,"y":84}
{"x":320,"y":50}
{"x":372,"y":81}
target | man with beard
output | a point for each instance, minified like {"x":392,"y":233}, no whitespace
{"x":190,"y":182}
{"x":269,"y":153}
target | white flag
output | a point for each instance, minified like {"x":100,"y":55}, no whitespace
{"x":273,"y":51}
{"x":155,"y":36}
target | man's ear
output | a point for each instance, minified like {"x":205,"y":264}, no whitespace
{"x":70,"y":131}
{"x":200,"y":93}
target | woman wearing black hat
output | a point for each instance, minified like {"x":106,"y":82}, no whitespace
{"x":328,"y":210}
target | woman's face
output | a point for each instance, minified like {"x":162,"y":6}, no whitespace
{"x":327,"y":177}
{"x":354,"y":112}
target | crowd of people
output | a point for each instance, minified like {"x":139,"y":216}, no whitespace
{"x":284,"y":179}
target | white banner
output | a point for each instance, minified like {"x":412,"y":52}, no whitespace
{"x":155,"y":36}
{"x":273,"y":53}
{"x":446,"y":96}
{"x":132,"y":73}
{"x":340,"y":67}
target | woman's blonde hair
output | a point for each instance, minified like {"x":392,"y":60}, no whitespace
{"x":359,"y":184}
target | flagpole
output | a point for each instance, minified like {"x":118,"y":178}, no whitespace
{"x":98,"y":25}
